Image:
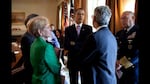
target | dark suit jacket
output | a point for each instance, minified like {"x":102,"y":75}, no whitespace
{"x":26,"y":42}
{"x":98,"y":58}
{"x":73,"y":42}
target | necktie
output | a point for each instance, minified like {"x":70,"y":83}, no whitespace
{"x":78,"y":29}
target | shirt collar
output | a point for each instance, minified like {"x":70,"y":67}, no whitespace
{"x":128,"y":29}
{"x":100,"y":27}
{"x":78,"y":24}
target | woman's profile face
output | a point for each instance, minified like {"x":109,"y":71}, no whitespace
{"x":46,"y":31}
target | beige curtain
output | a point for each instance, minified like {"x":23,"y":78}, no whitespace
{"x":115,"y":7}
{"x":84,"y":6}
{"x":77,"y":4}
{"x":136,"y":10}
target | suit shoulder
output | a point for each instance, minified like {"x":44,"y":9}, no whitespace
{"x":87,"y":25}
{"x":69,"y":27}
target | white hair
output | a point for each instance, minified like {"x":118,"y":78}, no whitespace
{"x":102,"y":15}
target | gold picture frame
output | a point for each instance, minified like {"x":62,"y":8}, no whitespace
{"x":18,"y":17}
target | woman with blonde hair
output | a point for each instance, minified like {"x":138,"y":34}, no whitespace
{"x":46,"y":66}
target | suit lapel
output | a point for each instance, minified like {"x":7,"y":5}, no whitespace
{"x":82,"y":29}
{"x":75,"y":31}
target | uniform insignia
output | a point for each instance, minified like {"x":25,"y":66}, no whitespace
{"x":72,"y":43}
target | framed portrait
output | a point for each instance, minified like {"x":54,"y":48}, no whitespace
{"x":18,"y":17}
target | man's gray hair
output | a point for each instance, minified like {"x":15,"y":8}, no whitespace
{"x":102,"y":15}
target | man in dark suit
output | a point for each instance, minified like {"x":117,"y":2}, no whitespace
{"x":25,"y":75}
{"x":128,"y":49}
{"x":73,"y":42}
{"x":99,"y":54}
{"x":26,"y":42}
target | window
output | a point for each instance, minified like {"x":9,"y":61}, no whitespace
{"x":91,"y":6}
{"x":128,"y":5}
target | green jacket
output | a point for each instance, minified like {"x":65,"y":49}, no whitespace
{"x":46,"y":67}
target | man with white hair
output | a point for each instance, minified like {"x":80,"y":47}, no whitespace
{"x":128,"y":49}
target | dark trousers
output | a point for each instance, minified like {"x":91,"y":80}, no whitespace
{"x":18,"y":78}
{"x":86,"y":76}
{"x":73,"y":73}
{"x":22,"y":77}
{"x":130,"y":76}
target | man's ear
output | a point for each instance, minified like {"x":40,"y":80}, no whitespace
{"x":94,"y":22}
